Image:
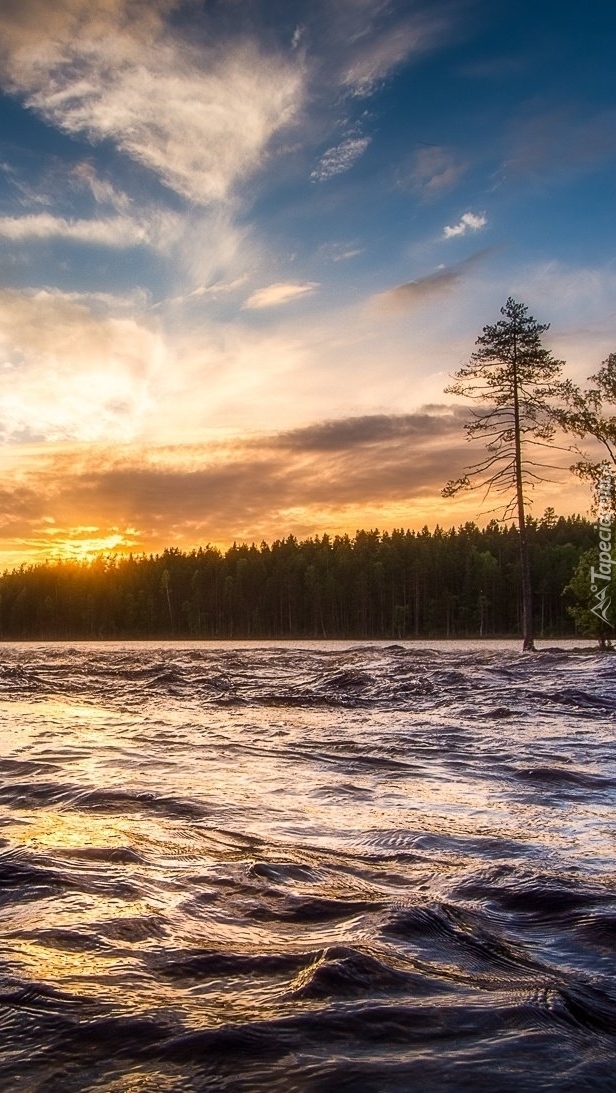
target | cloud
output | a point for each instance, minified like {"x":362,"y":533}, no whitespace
{"x":339,"y":159}
{"x":279,"y":293}
{"x":74,"y":367}
{"x":336,"y":475}
{"x":468,"y":222}
{"x":340,"y":252}
{"x":346,"y":434}
{"x":40,"y":179}
{"x":219,"y":288}
{"x":160,"y":230}
{"x":198,"y":97}
{"x":200,"y":117}
{"x":117,"y":231}
{"x":345,"y":255}
{"x":210,"y":246}
{"x":432,"y":285}
{"x":243,"y":488}
{"x":431,"y":171}
{"x":376,"y":49}
{"x":84,"y":176}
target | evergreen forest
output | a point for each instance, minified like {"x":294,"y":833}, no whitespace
{"x":457,"y":583}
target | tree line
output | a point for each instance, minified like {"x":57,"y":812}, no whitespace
{"x":457,"y":583}
{"x":501,"y":580}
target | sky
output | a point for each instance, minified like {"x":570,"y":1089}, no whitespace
{"x":244,"y":244}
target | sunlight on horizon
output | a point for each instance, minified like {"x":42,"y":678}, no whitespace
{"x":86,"y":544}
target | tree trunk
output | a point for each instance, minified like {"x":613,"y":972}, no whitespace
{"x":528,"y":640}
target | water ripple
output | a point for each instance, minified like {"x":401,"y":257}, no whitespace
{"x":319,"y":867}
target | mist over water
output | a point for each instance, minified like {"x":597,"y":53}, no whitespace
{"x":311,"y":866}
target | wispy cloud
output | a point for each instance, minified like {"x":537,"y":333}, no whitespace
{"x":432,"y":285}
{"x":279,"y":293}
{"x":200,"y":118}
{"x":340,"y":158}
{"x":85,"y":177}
{"x":219,"y":288}
{"x":468,"y":222}
{"x":380,"y":48}
{"x":117,"y":231}
{"x":430,"y":172}
{"x":340,"y":252}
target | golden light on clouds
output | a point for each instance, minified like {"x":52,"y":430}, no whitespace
{"x":235,"y":284}
{"x":274,"y":295}
{"x":75,"y":502}
{"x":72,"y":369}
{"x":84,"y":544}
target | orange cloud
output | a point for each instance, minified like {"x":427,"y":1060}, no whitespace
{"x":376,"y":470}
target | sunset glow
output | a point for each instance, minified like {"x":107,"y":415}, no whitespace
{"x":242,"y":253}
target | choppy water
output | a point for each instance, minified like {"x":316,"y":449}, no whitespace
{"x":306,"y":867}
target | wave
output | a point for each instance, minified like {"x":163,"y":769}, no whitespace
{"x":369,"y":868}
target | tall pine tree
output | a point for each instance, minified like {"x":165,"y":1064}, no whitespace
{"x":514,"y":380}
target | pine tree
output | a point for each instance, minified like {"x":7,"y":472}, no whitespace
{"x":515,"y":380}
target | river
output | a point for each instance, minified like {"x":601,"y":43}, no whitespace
{"x":314,"y":866}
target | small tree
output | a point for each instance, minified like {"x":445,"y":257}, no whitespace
{"x":515,"y":381}
{"x":592,"y":413}
{"x":594,"y":598}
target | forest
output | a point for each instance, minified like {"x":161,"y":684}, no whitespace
{"x":457,"y":583}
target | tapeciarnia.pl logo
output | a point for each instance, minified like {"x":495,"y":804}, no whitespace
{"x":601,"y":578}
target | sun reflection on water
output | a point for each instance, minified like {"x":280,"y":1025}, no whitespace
{"x":178,"y":853}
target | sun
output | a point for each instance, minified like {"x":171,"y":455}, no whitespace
{"x":84,"y":544}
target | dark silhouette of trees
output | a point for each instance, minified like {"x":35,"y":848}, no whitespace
{"x":455,"y":583}
{"x":515,"y":381}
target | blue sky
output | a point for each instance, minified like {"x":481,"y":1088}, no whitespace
{"x":244,"y":245}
